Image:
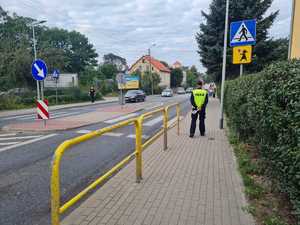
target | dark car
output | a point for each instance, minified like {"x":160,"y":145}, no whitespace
{"x":135,"y":96}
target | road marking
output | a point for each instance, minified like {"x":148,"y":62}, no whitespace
{"x":8,"y":134}
{"x":27,"y":142}
{"x":16,"y":117}
{"x":83,"y":131}
{"x":111,"y":134}
{"x":18,"y":138}
{"x":133,"y":136}
{"x":63,"y":114}
{"x":172,"y":121}
{"x":53,"y":115}
{"x":155,"y":106}
{"x":9,"y":143}
{"x":121,"y":118}
{"x":154,"y":121}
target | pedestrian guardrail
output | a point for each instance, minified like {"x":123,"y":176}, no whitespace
{"x":56,"y":208}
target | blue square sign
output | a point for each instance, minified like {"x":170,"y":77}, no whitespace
{"x":243,"y":33}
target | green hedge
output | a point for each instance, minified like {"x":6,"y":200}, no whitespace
{"x":264,"y":108}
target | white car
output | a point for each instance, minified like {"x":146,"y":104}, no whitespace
{"x":167,"y":93}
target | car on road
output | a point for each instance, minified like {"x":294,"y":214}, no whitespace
{"x":167,"y":93}
{"x":180,"y":91}
{"x":135,"y":96}
{"x":189,"y":90}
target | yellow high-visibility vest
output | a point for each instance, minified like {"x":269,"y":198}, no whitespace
{"x":199,"y":97}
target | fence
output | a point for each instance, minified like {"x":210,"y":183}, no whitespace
{"x":56,"y":208}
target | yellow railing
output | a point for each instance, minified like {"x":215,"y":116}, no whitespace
{"x":56,"y":208}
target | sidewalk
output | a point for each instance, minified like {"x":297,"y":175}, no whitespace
{"x":194,"y":182}
{"x":55,"y":107}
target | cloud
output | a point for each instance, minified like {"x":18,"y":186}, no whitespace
{"x":129,"y":27}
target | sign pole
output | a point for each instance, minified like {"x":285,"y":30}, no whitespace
{"x":56,"y":92}
{"x":241,"y":70}
{"x":224,"y":65}
{"x":34,"y":50}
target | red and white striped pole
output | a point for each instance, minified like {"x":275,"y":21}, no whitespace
{"x":42,"y":110}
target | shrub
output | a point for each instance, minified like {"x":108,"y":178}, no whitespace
{"x":264,"y":108}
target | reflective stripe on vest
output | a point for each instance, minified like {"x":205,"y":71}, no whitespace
{"x":199,"y":97}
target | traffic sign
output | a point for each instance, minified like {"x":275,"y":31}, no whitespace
{"x":243,"y":33}
{"x":55,"y":74}
{"x":39,"y":69}
{"x":242,"y":54}
{"x":121,"y":78}
{"x":42,"y":109}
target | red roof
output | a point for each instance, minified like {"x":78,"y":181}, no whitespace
{"x":156,"y":63}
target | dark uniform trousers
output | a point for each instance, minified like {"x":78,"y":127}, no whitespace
{"x":201,"y":116}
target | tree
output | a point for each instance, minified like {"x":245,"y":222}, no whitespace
{"x":211,"y":35}
{"x":108,"y":70}
{"x":176,"y":77}
{"x":146,"y":82}
{"x":192,"y":76}
{"x":116,"y":60}
{"x":60,"y":49}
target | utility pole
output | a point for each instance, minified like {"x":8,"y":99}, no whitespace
{"x":34,"y":50}
{"x":39,"y":95}
{"x":224,"y":66}
{"x":150,"y":70}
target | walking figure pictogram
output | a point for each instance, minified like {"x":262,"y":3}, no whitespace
{"x":243,"y":55}
{"x":243,"y":33}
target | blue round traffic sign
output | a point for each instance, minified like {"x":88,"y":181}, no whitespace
{"x":55,"y":74}
{"x":39,"y":69}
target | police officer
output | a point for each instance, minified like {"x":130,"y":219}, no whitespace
{"x":199,"y":100}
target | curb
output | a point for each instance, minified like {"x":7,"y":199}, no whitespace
{"x":7,"y":129}
{"x":56,"y":107}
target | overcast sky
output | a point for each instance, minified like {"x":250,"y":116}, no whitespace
{"x":128,"y":28}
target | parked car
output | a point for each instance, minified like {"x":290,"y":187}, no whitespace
{"x":167,"y":93}
{"x":180,"y":90}
{"x":189,"y":90}
{"x":135,"y":96}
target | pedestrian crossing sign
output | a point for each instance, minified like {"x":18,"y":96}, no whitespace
{"x":242,"y":54}
{"x":243,"y":33}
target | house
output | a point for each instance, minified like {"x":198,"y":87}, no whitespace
{"x":178,"y":65}
{"x":143,"y":65}
{"x":65,"y":80}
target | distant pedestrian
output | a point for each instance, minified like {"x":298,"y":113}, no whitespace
{"x":92,"y":94}
{"x":199,"y":100}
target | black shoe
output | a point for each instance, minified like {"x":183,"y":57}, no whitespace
{"x":191,"y":135}
{"x":203,"y":134}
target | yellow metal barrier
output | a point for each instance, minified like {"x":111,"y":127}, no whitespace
{"x":56,"y":209}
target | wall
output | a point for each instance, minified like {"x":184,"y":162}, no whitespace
{"x":65,"y":80}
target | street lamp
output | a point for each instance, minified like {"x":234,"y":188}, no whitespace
{"x":150,"y":66}
{"x":35,"y":56}
{"x":224,"y":66}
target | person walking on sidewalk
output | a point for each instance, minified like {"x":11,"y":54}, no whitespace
{"x":92,"y":94}
{"x":199,"y":100}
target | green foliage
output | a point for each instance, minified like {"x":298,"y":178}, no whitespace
{"x":265,"y":109}
{"x":176,"y":77}
{"x":146,"y":83}
{"x":191,"y":77}
{"x":60,"y":49}
{"x":108,"y":70}
{"x":210,"y":38}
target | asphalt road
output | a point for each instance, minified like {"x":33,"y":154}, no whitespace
{"x":25,"y":170}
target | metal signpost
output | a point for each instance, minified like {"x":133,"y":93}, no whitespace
{"x":121,"y":82}
{"x":39,"y":73}
{"x":55,"y":76}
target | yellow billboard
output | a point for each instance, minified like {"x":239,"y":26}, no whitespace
{"x":132,"y":82}
{"x":242,"y":54}
{"x":295,"y":31}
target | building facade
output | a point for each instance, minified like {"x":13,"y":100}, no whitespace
{"x":66,"y":80}
{"x":143,"y":65}
{"x":294,"y":50}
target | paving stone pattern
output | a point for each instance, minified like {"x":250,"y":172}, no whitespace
{"x":194,"y":182}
